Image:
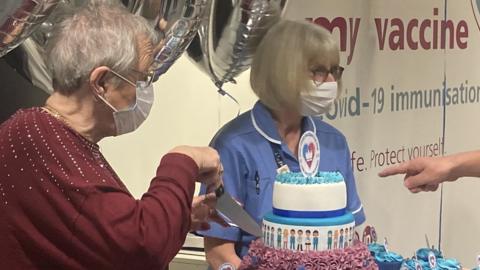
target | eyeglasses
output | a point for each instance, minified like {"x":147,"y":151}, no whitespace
{"x":147,"y":77}
{"x":320,"y":74}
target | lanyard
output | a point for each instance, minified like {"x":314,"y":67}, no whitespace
{"x":279,"y":161}
{"x":277,"y":155}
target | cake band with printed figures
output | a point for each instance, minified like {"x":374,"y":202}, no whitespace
{"x":309,"y":213}
{"x":308,"y":234}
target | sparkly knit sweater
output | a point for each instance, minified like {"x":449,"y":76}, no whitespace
{"x":63,"y":207}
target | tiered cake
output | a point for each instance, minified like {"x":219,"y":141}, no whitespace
{"x":309,"y":227}
{"x":309,"y":213}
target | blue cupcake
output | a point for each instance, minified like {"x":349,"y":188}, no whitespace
{"x":388,"y":260}
{"x":422,"y":254}
{"x":448,"y":264}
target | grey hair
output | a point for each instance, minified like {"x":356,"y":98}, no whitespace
{"x":101,"y":33}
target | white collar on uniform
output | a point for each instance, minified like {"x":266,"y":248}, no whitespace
{"x":263,"y":122}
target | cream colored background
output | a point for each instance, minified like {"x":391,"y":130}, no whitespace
{"x":188,"y":110}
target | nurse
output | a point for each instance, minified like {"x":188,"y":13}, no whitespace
{"x":295,"y":74}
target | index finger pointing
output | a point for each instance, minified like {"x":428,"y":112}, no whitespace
{"x":401,"y":168}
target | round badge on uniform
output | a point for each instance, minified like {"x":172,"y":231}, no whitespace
{"x":309,"y":154}
{"x":432,"y":260}
{"x":227,"y":266}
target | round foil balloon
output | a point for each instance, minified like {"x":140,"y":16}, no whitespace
{"x":225,"y":44}
{"x":177,"y":22}
{"x":19,"y":18}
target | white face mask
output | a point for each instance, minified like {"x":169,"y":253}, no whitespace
{"x":130,"y":119}
{"x":318,"y":100}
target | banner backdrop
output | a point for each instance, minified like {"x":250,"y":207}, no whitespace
{"x":402,"y":60}
{"x":411,"y":88}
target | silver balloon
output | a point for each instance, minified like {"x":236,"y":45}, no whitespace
{"x":177,"y":21}
{"x":225,"y":44}
{"x":33,"y":55}
{"x":19,"y":18}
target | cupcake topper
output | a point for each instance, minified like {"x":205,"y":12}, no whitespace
{"x":418,"y":266}
{"x":432,"y":260}
{"x":385,"y":244}
{"x":373,"y":234}
{"x":309,"y":154}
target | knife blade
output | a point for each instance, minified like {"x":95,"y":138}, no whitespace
{"x":229,"y":208}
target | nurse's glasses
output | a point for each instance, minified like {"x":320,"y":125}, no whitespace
{"x":320,"y":74}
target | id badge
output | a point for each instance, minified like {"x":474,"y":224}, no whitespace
{"x":283,"y":169}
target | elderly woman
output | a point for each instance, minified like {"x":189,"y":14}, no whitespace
{"x":62,"y":206}
{"x":295,"y":74}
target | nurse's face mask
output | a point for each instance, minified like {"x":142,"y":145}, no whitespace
{"x":318,"y":100}
{"x":129,"y":119}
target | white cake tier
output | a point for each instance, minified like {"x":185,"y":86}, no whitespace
{"x":312,"y":235}
{"x":310,"y":198}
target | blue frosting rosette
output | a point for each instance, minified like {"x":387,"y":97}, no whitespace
{"x":442,"y":264}
{"x":375,"y":248}
{"x":300,"y":179}
{"x":448,"y":264}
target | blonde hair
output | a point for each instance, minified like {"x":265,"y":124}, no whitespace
{"x":284,"y":57}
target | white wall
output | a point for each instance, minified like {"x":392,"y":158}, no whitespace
{"x":187,"y":110}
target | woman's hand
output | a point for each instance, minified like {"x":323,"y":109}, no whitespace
{"x":203,"y":211}
{"x":208,"y":161}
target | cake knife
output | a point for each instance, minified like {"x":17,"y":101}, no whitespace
{"x":229,"y":208}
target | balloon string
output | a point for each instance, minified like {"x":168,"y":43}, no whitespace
{"x":444,"y":114}
{"x":225,"y":93}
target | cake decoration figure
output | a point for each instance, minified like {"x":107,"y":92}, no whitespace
{"x":300,"y":240}
{"x":315,"y":240}
{"x":308,"y":240}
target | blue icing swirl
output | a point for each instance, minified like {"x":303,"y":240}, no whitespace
{"x":376,"y":248}
{"x":410,"y":264}
{"x":299,"y":179}
{"x":388,"y":257}
{"x":442,"y":264}
{"x":448,"y":264}
{"x":422,"y":254}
